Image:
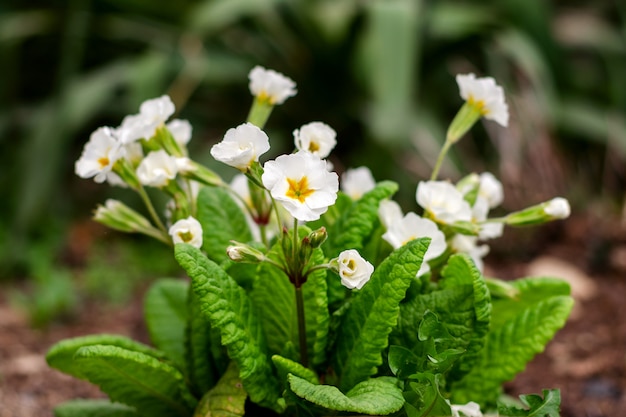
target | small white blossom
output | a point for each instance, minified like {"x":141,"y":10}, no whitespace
{"x":99,"y":155}
{"x":389,"y":212}
{"x":486,"y":96}
{"x":180,"y":130}
{"x":241,"y":146}
{"x":188,"y":231}
{"x":301,"y":183}
{"x":354,"y":270}
{"x":490,"y":189}
{"x":558,"y":208}
{"x":315,"y":137}
{"x":490,"y":230}
{"x":152,"y":114}
{"x":471,"y":409}
{"x":269,"y":85}
{"x":356,"y":182}
{"x":157,"y":169}
{"x":443,"y":201}
{"x":411,"y":227}
{"x":468,"y":244}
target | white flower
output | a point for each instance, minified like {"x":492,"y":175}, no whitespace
{"x":389,"y":212}
{"x":157,"y":169}
{"x":152,"y":114}
{"x":187,"y":230}
{"x":315,"y":137}
{"x":490,"y":189}
{"x":411,"y":227}
{"x":356,"y":182}
{"x":301,"y":183}
{"x":468,"y":244}
{"x":558,"y":208}
{"x":354,"y":270}
{"x":271,"y":86}
{"x":471,"y":409}
{"x":181,"y":131}
{"x":490,"y":230}
{"x":241,"y":146}
{"x":486,"y":96}
{"x":99,"y":154}
{"x":442,"y":200}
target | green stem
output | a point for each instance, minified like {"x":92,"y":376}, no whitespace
{"x":155,"y":217}
{"x":304,"y":357}
{"x":442,"y":154}
{"x":259,"y":112}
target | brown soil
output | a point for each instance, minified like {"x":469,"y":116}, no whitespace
{"x":586,"y":360}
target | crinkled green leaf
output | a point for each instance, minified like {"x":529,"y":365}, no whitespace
{"x":377,"y":396}
{"x":423,"y":397}
{"x":548,"y":406}
{"x":94,"y":408}
{"x":222,"y":221}
{"x":521,"y":328}
{"x":153,"y":387}
{"x":61,"y":355}
{"x":165,"y":309}
{"x":365,"y":327}
{"x":229,"y":310}
{"x":226,"y":399}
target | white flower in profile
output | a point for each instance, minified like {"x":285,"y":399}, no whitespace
{"x":271,"y":86}
{"x":180,"y":130}
{"x":152,"y":114}
{"x":471,"y":409}
{"x":99,"y":155}
{"x":389,"y":212}
{"x":411,"y":227}
{"x":301,"y":183}
{"x":354,"y":270}
{"x":157,"y":169}
{"x":315,"y":137}
{"x":557,"y":208}
{"x":357,"y":181}
{"x":188,"y":231}
{"x":490,"y":189}
{"x":485,"y":96}
{"x":468,"y":244}
{"x":241,"y":146}
{"x":443,"y":201}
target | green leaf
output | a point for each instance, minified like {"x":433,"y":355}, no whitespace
{"x":378,"y":396}
{"x":61,"y":355}
{"x":222,"y":221}
{"x":423,"y":397}
{"x":521,"y":328}
{"x":365,"y":327}
{"x":94,"y":408}
{"x":229,"y":310}
{"x":548,"y":406}
{"x":287,"y":366}
{"x":154,"y":388}
{"x":165,"y":309}
{"x":226,"y":399}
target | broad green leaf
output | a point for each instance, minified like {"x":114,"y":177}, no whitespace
{"x":377,"y":396}
{"x":521,"y":328}
{"x":226,"y":399}
{"x":287,"y":366}
{"x":229,"y":310}
{"x":154,"y":388}
{"x":222,"y":221}
{"x":365,"y":327}
{"x":548,"y":406}
{"x":423,"y":397}
{"x":61,"y":355}
{"x":94,"y":408}
{"x":165,"y":309}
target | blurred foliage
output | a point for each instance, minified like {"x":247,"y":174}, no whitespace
{"x":381,"y":72}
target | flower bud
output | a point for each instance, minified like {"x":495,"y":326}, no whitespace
{"x":119,"y":216}
{"x":240,"y":252}
{"x":557,"y":208}
{"x":317,"y":237}
{"x":353,"y":269}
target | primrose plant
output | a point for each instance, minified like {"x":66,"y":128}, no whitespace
{"x":309,"y":295}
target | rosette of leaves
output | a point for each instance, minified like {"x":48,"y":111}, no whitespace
{"x":225,"y":342}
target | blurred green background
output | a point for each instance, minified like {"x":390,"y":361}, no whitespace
{"x":381,"y":72}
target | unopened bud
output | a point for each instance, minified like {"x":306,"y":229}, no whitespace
{"x":240,"y":252}
{"x":317,"y":237}
{"x":557,"y":208}
{"x":119,"y":216}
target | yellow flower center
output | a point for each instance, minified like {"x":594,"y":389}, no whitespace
{"x":265,"y":98}
{"x":478,"y":105}
{"x":104,"y":161}
{"x":299,"y":190}
{"x":314,"y":147}
{"x":351,"y":264}
{"x":185,"y":236}
{"x":408,"y":240}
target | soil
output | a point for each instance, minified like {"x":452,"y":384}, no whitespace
{"x":586,"y":360}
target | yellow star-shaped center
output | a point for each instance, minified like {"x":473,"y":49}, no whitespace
{"x":478,"y":105}
{"x":104,"y":161}
{"x":299,"y":190}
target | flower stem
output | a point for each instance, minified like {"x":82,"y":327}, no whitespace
{"x":155,"y":217}
{"x":442,"y":154}
{"x":304,"y":357}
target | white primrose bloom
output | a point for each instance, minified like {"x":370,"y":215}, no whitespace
{"x":486,"y":96}
{"x":557,"y":208}
{"x":490,"y":189}
{"x":315,"y":137}
{"x":157,"y":169}
{"x":187,"y":230}
{"x":354,"y":270}
{"x":180,"y":130}
{"x":152,"y":114}
{"x":99,"y":155}
{"x":468,"y":244}
{"x":411,"y":227}
{"x":301,"y":183}
{"x":471,"y":409}
{"x":389,"y":212}
{"x":356,"y":182}
{"x":271,"y":86}
{"x":443,"y":201}
{"x":241,"y":146}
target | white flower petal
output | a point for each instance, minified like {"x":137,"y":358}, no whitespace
{"x":157,"y":169}
{"x":187,"y":230}
{"x":486,"y":94}
{"x":354,"y":270}
{"x":315,"y":137}
{"x":271,"y":85}
{"x":443,"y":201}
{"x":356,"y":182}
{"x":241,"y":146}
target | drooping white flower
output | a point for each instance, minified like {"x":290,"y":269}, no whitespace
{"x":468,"y":244}
{"x":315,"y":137}
{"x":187,"y":230}
{"x":180,"y":130}
{"x":99,"y":155}
{"x":354,"y":270}
{"x":411,"y":227}
{"x":471,"y":409}
{"x":443,"y":201}
{"x":301,"y":183}
{"x":356,"y":182}
{"x":558,"y":208}
{"x":486,"y":96}
{"x":152,"y":114}
{"x":157,"y":169}
{"x":271,"y":86}
{"x":241,"y":146}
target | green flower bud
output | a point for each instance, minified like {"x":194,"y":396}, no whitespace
{"x":240,"y":252}
{"x":557,"y":208}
